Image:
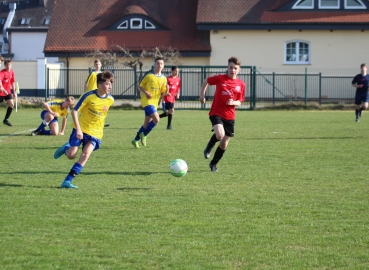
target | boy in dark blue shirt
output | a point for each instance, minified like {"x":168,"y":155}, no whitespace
{"x":361,"y":82}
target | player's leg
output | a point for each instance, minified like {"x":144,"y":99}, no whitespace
{"x":89,"y":146}
{"x":358,"y":106}
{"x":54,"y":127}
{"x":365,"y":101}
{"x":9,"y":100}
{"x":170,"y":115}
{"x":224,"y":133}
{"x":70,"y":148}
{"x":151,"y":120}
{"x":217,"y":127}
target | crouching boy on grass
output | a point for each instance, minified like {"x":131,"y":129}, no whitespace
{"x":88,"y":128}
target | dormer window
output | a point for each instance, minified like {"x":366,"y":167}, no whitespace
{"x":329,"y":4}
{"x":47,"y":21}
{"x":2,"y":21}
{"x":25,"y":21}
{"x":136,"y":23}
{"x":123,"y":25}
{"x":304,"y":4}
{"x":354,"y":4}
{"x":149,"y":25}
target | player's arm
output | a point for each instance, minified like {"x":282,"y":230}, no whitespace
{"x":355,"y":83}
{"x":76,"y":123}
{"x":233,"y":102}
{"x":143,"y":91}
{"x":64,"y":123}
{"x":47,"y":108}
{"x":204,"y":86}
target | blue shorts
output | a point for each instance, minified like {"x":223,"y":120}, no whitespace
{"x":73,"y":141}
{"x":43,"y":117}
{"x":361,"y":96}
{"x":150,"y":109}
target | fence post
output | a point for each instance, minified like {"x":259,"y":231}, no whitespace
{"x":273,"y":82}
{"x":320,"y":88}
{"x":203,"y":73}
{"x":135,"y":82}
{"x":253,"y":91}
{"x":47,"y":83}
{"x":306,"y":86}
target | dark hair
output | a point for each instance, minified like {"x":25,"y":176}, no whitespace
{"x":97,"y":60}
{"x":363,"y":65}
{"x":158,"y":58}
{"x":104,"y":76}
{"x":174,"y":67}
{"x":234,"y":60}
{"x":7,"y":61}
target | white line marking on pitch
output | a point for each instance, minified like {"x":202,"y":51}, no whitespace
{"x":14,"y":134}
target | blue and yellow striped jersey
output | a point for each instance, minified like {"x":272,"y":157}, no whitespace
{"x":155,"y":85}
{"x":56,"y":106}
{"x":92,"y":113}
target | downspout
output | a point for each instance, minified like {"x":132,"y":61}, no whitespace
{"x":8,"y":23}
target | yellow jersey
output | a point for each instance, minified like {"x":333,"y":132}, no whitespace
{"x":93,"y":110}
{"x":92,"y":80}
{"x":56,"y":106}
{"x":155,"y":85}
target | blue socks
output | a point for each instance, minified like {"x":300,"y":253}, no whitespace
{"x":76,"y":169}
{"x":150,"y":126}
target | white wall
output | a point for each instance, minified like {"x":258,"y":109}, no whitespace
{"x":28,"y":46}
{"x":336,"y":52}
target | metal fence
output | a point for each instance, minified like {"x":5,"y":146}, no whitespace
{"x":262,"y":88}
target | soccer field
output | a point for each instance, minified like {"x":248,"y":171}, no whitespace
{"x":292,"y":192}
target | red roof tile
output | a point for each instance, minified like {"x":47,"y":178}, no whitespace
{"x":265,"y":12}
{"x":82,"y":26}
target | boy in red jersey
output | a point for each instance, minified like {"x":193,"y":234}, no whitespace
{"x":7,"y":80}
{"x":174,"y":84}
{"x":229,"y":93}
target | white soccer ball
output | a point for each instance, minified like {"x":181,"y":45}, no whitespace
{"x":178,"y":167}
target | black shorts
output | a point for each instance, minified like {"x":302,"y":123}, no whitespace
{"x":169,"y":105}
{"x":7,"y":97}
{"x":228,"y":125}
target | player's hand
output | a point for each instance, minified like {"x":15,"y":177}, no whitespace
{"x":79,"y":134}
{"x":55,"y":114}
{"x":360,"y":85}
{"x":202,"y":99}
{"x":148,"y":95}
{"x":230,"y":102}
{"x":168,"y":94}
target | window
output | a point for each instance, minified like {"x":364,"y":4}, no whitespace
{"x":47,"y":21}
{"x":25,"y":21}
{"x":136,"y":23}
{"x":123,"y":25}
{"x":2,"y":21}
{"x":329,"y":4}
{"x":354,"y":4}
{"x":149,"y":25}
{"x":304,"y":4}
{"x":297,"y":52}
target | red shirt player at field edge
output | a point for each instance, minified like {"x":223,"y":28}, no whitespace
{"x":229,"y":93}
{"x":7,"y":80}
{"x":174,"y":85}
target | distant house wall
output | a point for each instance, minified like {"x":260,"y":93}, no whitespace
{"x":336,"y":52}
{"x":27,"y":46}
{"x":25,"y":74}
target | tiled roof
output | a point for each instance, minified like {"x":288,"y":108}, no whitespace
{"x":266,"y":12}
{"x":82,"y":26}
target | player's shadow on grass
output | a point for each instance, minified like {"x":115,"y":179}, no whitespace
{"x":132,"y":189}
{"x":305,"y":138}
{"x":86,"y":173}
{"x":9,"y":185}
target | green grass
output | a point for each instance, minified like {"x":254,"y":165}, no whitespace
{"x":291,"y":193}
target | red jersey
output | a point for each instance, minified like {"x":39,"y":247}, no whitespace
{"x":174,"y":85}
{"x":7,"y":79}
{"x":226,"y":88}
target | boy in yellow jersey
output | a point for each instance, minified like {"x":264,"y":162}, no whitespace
{"x":91,"y":82}
{"x":152,"y":86}
{"x":52,"y":110}
{"x":88,"y":128}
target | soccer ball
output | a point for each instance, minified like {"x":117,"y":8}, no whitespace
{"x":178,"y":167}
